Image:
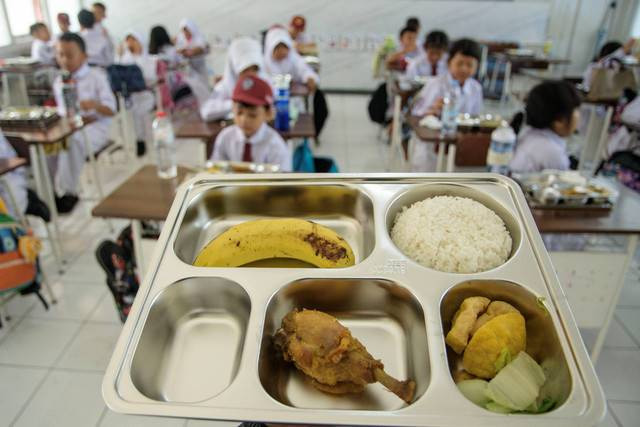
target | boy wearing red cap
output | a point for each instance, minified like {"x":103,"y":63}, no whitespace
{"x":302,"y":41}
{"x":250,"y":139}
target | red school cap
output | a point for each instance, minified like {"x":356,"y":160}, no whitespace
{"x":253,"y":90}
{"x":298,"y":22}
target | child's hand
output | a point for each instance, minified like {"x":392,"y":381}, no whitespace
{"x":311,"y":84}
{"x":436,"y":107}
{"x":628,"y":46}
{"x":88,"y":104}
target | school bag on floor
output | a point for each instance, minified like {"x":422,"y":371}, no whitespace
{"x":118,"y":262}
{"x":304,"y":161}
{"x":19,"y":268}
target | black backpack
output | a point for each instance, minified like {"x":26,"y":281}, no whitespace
{"x":126,"y":79}
{"x":378,"y":105}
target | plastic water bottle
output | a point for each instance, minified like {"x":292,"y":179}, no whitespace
{"x":449,"y":114}
{"x":281,"y":83}
{"x":70,"y":97}
{"x":164,"y":142}
{"x":503,"y":141}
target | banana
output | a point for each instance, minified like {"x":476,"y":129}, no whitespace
{"x":277,"y":238}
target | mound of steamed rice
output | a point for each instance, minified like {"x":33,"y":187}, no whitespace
{"x":452,"y":234}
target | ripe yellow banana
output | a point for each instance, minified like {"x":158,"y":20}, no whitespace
{"x":277,"y":238}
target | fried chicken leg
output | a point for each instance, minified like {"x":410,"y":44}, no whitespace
{"x":335,"y":361}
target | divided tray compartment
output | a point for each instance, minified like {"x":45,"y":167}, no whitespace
{"x":198,"y":341}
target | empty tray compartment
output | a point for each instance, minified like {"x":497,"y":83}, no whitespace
{"x":543,"y":344}
{"x":191,"y":343}
{"x":345,"y":209}
{"x":384,"y":316}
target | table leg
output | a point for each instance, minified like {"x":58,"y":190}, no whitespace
{"x":440,"y":162}
{"x":597,"y":347}
{"x":136,"y":235}
{"x":451,"y":157}
{"x":44,"y":187}
{"x":587,"y":137}
{"x":92,"y":163}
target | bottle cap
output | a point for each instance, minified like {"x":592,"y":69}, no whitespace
{"x":161,"y":114}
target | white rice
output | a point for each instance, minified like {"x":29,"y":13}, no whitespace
{"x":452,"y":234}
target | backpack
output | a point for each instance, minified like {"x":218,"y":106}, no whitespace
{"x":378,"y":105}
{"x":126,"y":79}
{"x":118,"y":261}
{"x":625,"y":165}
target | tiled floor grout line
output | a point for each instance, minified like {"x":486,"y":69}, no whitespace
{"x":613,"y":415}
{"x":102,"y":415}
{"x":626,"y":402}
{"x":626,"y":330}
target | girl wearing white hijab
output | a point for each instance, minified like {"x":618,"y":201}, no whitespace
{"x":135,"y":53}
{"x":281,"y":58}
{"x":191,"y":44}
{"x":243,"y":58}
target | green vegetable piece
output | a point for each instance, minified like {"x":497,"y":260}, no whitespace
{"x":503,"y":359}
{"x":546,"y":405}
{"x":474,"y":390}
{"x":495,"y":407}
{"x":518,"y":384}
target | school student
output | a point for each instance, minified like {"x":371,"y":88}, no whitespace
{"x":551,"y":114}
{"x":98,"y":48}
{"x":134,"y":52}
{"x":432,"y":61}
{"x":243,"y":58}
{"x":251,"y":139}
{"x":611,"y":50}
{"x":413,"y":22}
{"x":99,"y":11}
{"x":95,"y":100}
{"x":459,"y":85}
{"x":41,"y":47}
{"x":64,"y":23}
{"x":160,"y":45}
{"x":191,"y":44}
{"x":297,"y":32}
{"x":408,"y":50}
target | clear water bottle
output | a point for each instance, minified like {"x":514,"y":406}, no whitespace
{"x":503,"y":141}
{"x":164,"y":142}
{"x":281,"y":83}
{"x":70,"y":97}
{"x":449,"y":114}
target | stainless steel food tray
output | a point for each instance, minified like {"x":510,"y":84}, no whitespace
{"x":197,"y":342}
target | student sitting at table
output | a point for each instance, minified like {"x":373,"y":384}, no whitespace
{"x":95,"y":100}
{"x":160,"y":45}
{"x":24,"y":198}
{"x":243,"y":58}
{"x":191,"y":44}
{"x":280,"y":58}
{"x":251,"y":139}
{"x":459,"y":85}
{"x":408,"y":50}
{"x":134,"y":52}
{"x":99,"y":49}
{"x":433,"y":61}
{"x":413,"y":22}
{"x":302,"y":41}
{"x":612,"y":50}
{"x":551,"y":114}
{"x":64,"y":24}
{"x":41,"y":47}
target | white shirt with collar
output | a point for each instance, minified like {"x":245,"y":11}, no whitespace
{"x":293,"y":64}
{"x":539,"y":149}
{"x":43,"y":51}
{"x":421,"y":67}
{"x":267,"y":146}
{"x":99,"y":48}
{"x":470,"y":98}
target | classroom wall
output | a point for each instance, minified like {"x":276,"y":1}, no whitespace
{"x":349,"y":30}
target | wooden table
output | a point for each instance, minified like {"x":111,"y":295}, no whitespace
{"x":530,"y":62}
{"x":143,"y":196}
{"x":594,"y":280}
{"x":195,"y":127}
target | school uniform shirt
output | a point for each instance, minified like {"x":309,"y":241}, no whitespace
{"x":293,"y":64}
{"x":99,"y":48}
{"x":98,"y":26}
{"x":588,"y":73}
{"x":170,"y":55}
{"x":92,"y":84}
{"x":421,"y":67}
{"x":539,"y":149}
{"x":43,"y":52}
{"x":243,"y":53}
{"x":267,"y":146}
{"x":199,"y":62}
{"x":17,"y":180}
{"x":469,"y":95}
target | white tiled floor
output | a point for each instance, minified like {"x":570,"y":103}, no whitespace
{"x":51,"y":362}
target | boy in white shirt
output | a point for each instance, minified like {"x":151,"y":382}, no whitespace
{"x":41,"y":47}
{"x":251,"y":139}
{"x":99,"y":11}
{"x":433,"y":61}
{"x":95,"y":100}
{"x":458,"y":83}
{"x":98,"y":47}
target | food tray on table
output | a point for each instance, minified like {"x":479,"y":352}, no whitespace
{"x":566,"y":190}
{"x":224,"y":166}
{"x":28,"y":117}
{"x":199,"y":343}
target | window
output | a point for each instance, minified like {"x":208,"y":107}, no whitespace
{"x":70,"y":7}
{"x":635,"y":29}
{"x":21,"y":14}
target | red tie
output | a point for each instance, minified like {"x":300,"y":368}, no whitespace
{"x":434,"y":69}
{"x":246,"y":154}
